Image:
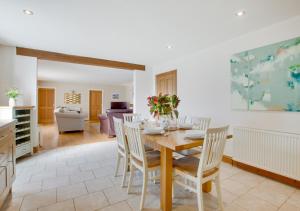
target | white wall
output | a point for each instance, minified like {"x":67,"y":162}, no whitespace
{"x":19,"y":72}
{"x":25,"y":79}
{"x":129,"y":92}
{"x":204,"y":81}
{"x":107,"y":91}
{"x":142,"y":88}
{"x":7,"y":60}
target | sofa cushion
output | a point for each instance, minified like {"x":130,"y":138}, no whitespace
{"x":70,"y":114}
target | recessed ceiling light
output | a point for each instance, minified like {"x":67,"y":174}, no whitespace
{"x":28,"y":12}
{"x":240,"y":13}
{"x":169,"y":46}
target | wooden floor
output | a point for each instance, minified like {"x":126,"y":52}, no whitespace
{"x":50,"y":138}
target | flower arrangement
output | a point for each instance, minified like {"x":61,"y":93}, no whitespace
{"x":12,"y":93}
{"x":163,"y":105}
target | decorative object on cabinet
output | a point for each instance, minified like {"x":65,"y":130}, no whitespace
{"x":23,"y":127}
{"x":7,"y":158}
{"x":12,"y":94}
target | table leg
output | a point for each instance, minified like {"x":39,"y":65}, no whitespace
{"x":166,"y":165}
{"x":206,"y":187}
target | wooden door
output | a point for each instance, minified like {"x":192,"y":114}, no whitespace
{"x":166,"y":83}
{"x":46,"y":105}
{"x":95,"y":104}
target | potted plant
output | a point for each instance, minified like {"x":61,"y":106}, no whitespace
{"x":12,"y":94}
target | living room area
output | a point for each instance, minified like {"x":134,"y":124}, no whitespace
{"x":76,"y":103}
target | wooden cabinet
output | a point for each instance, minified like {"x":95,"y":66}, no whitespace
{"x":23,"y":128}
{"x":7,"y":158}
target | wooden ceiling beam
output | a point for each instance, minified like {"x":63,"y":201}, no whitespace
{"x":60,"y":57}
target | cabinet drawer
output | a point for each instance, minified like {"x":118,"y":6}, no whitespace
{"x":23,"y":149}
{"x":3,"y":179}
{"x":6,"y":138}
{"x":5,"y":142}
{"x":7,"y":129}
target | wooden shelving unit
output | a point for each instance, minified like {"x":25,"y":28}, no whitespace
{"x":23,"y":127}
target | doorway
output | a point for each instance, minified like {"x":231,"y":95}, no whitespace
{"x":46,"y":99}
{"x":166,"y":83}
{"x":95,"y":104}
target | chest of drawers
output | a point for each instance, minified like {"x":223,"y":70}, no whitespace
{"x":7,"y":158}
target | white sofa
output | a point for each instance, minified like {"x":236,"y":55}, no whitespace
{"x":70,"y":121}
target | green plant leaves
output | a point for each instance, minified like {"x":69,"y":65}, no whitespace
{"x":13,"y":93}
{"x":163,"y":105}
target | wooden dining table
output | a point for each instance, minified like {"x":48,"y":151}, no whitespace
{"x":168,"y":143}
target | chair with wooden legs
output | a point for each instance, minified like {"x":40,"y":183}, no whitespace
{"x":131,"y":117}
{"x":139,"y":159}
{"x":199,"y":123}
{"x":207,"y":168}
{"x":123,"y":150}
{"x":135,"y":117}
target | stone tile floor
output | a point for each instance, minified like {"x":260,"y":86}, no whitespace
{"x":81,"y":178}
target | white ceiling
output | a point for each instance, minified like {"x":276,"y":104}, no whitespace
{"x":135,"y":31}
{"x":67,"y":72}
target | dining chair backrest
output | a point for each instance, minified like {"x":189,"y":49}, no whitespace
{"x":181,"y":120}
{"x":135,"y":143}
{"x":213,"y":149}
{"x":120,"y":134}
{"x":201,"y":123}
{"x":131,"y":117}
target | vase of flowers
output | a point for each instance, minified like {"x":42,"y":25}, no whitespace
{"x":12,"y":94}
{"x":163,"y":106}
{"x":174,"y":101}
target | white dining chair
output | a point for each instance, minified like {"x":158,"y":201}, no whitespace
{"x":131,"y":117}
{"x":139,"y":159}
{"x":207,"y":168}
{"x":123,"y":150}
{"x":181,"y":119}
{"x":199,"y":123}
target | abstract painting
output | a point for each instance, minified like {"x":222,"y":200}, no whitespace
{"x":267,"y":78}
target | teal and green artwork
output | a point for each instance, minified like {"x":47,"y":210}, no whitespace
{"x":267,"y":78}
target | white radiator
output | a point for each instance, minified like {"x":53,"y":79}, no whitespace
{"x":269,"y":150}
